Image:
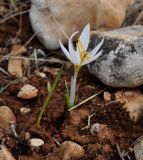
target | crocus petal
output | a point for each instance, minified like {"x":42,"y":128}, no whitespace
{"x":95,"y":50}
{"x":75,"y":55}
{"x":85,"y":36}
{"x":92,"y":58}
{"x":70,"y":44}
{"x":76,"y":58}
{"x":65,"y":51}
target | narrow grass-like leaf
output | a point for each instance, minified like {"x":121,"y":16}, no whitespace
{"x":46,"y":102}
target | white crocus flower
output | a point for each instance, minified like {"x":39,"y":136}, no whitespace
{"x":79,"y":55}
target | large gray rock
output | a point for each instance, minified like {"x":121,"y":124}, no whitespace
{"x":121,"y":64}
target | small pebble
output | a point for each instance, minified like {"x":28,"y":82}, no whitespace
{"x":27,"y":92}
{"x":36,"y":142}
{"x":41,"y":74}
{"x":25,"y":110}
{"x":95,"y":128}
{"x":107,"y":96}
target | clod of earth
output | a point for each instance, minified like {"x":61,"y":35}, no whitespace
{"x":22,"y":147}
{"x":120,"y":64}
{"x":77,"y":116}
{"x":7,"y":117}
{"x":54,"y":21}
{"x":102,"y":131}
{"x":132,"y":100}
{"x":69,"y":150}
{"x":27,"y":92}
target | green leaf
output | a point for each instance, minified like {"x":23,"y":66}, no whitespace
{"x":67,"y":96}
{"x":46,"y":102}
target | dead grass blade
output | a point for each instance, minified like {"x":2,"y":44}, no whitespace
{"x":88,"y":99}
{"x":10,"y":83}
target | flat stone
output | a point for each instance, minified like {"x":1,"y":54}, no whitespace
{"x":27,"y":92}
{"x":53,"y":20}
{"x":103,"y":132}
{"x":121,"y":63}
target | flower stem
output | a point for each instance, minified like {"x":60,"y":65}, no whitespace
{"x":73,"y":89}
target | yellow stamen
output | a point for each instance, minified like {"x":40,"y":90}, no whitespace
{"x":83,"y":54}
{"x":80,"y":46}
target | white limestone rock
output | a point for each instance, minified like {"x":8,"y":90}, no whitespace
{"x":73,"y":15}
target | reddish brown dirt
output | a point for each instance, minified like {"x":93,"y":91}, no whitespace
{"x":57,"y":122}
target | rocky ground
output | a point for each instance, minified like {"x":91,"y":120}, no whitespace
{"x":108,"y":127}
